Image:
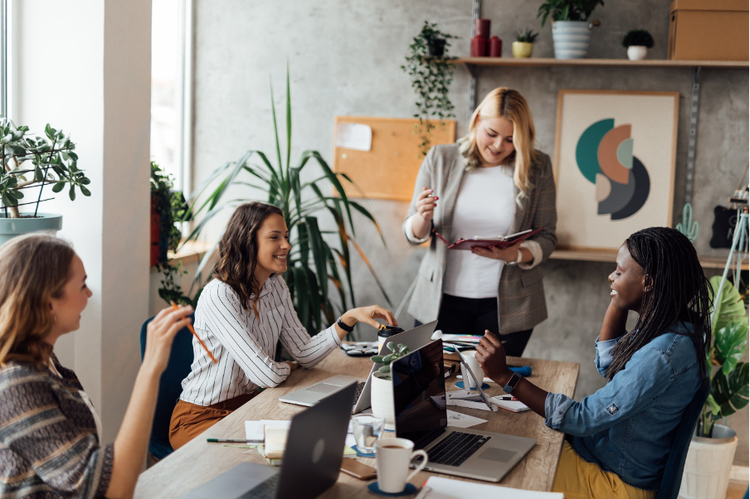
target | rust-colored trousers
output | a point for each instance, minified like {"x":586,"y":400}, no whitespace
{"x":190,"y":420}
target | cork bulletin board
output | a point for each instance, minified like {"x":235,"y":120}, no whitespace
{"x":388,"y":170}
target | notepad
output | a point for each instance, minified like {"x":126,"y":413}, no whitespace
{"x":255,"y":430}
{"x":499,"y":242}
{"x":275,"y":441}
{"x":509,"y":405}
{"x":446,"y":488}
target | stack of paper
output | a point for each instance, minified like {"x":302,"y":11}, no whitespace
{"x":445,"y":488}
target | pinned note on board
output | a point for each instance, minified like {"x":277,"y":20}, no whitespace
{"x":355,"y":136}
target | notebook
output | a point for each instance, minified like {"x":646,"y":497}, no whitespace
{"x":312,"y":458}
{"x":421,"y":416}
{"x":310,"y":395}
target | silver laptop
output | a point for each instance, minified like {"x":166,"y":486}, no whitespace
{"x":420,"y":413}
{"x":312,"y":458}
{"x":311,"y":395}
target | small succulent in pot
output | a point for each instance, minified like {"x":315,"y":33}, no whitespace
{"x":397,"y":351}
{"x":523,"y":47}
{"x":637,"y":41}
{"x":527,"y":36}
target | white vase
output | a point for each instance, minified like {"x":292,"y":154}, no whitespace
{"x":381,"y":398}
{"x":708,"y":465}
{"x":571,"y":39}
{"x":637,"y":52}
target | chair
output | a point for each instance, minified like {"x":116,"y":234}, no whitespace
{"x":170,"y":387}
{"x":672,"y":477}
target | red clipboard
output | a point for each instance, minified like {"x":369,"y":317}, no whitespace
{"x":498,"y":242}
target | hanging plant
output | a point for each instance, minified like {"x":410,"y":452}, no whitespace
{"x":431,"y":72}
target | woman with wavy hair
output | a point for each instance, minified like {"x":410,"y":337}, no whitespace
{"x":491,"y":182}
{"x":50,"y":433}
{"x":241,"y":316}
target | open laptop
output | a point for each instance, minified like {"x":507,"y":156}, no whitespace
{"x":311,"y":395}
{"x":312,"y":458}
{"x":420,"y":413}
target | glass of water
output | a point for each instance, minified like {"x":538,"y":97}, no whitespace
{"x":367,"y":430}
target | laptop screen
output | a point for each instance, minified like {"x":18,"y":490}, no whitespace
{"x":419,"y":394}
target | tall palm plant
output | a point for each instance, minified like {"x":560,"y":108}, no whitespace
{"x":318,"y":256}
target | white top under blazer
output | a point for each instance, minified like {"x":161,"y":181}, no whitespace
{"x":245,"y":346}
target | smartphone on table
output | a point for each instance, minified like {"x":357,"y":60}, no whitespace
{"x":357,"y":470}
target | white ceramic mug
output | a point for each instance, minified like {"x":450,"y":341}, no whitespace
{"x":473,"y":364}
{"x":393,"y":456}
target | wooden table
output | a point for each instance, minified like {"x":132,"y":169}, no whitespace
{"x":199,"y":462}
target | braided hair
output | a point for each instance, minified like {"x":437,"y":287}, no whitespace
{"x":676,"y":290}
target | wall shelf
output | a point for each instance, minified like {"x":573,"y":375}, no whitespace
{"x":605,"y":256}
{"x":547,"y":62}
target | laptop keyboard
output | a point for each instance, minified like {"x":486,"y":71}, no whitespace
{"x":456,"y":448}
{"x":264,"y":490}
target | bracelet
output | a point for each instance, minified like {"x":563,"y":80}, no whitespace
{"x":518,"y":260}
{"x":344,"y":325}
{"x":512,"y":382}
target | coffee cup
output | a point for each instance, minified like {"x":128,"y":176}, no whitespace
{"x":392,"y":457}
{"x":476,"y":369}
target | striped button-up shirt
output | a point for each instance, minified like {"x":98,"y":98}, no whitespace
{"x":245,"y":345}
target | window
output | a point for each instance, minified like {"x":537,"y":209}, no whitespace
{"x":171,"y":56}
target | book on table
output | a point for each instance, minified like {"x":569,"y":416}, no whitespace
{"x":499,"y":242}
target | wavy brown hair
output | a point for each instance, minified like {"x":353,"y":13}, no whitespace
{"x":33,"y":270}
{"x":238,"y":251}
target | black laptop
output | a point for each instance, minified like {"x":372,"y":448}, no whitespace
{"x":312,"y":458}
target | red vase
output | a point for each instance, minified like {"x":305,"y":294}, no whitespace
{"x":479,"y":46}
{"x":482,"y":28}
{"x":496,"y":47}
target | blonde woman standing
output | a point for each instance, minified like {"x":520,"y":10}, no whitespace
{"x":492,"y":181}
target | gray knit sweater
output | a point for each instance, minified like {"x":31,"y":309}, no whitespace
{"x":49,"y":447}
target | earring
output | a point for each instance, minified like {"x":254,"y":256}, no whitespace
{"x":54,"y":319}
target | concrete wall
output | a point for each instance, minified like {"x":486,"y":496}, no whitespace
{"x":344,"y":59}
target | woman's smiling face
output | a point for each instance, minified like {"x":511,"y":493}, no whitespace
{"x":627,"y":283}
{"x":495,"y":140}
{"x":273,"y":247}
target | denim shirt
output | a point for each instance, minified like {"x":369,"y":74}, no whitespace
{"x":627,"y":427}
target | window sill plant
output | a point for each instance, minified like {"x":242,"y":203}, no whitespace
{"x":427,"y":64}
{"x":29,"y":165}
{"x":637,"y":42}
{"x":523,"y":47}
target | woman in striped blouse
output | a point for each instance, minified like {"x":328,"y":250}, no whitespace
{"x":49,"y":432}
{"x":241,"y":316}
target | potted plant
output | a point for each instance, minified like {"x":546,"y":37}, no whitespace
{"x":381,"y":391}
{"x":711,"y":452}
{"x":316,"y":260}
{"x":637,"y":41}
{"x":571,"y":30}
{"x":523,"y":47}
{"x":29,"y":164}
{"x":431,"y":72}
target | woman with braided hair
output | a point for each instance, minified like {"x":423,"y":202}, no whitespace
{"x":619,"y":438}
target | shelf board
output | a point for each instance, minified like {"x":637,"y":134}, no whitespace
{"x":608,"y":256}
{"x":653,"y":63}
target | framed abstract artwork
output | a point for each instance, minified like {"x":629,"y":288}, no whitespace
{"x":614,"y":165}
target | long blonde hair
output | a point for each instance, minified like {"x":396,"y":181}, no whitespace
{"x":33,"y":269}
{"x":506,"y":103}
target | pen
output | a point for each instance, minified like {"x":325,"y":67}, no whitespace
{"x":506,"y":397}
{"x":190,"y":327}
{"x":232,"y":441}
{"x":423,"y":492}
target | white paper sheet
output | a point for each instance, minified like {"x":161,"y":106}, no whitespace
{"x":461,"y":420}
{"x":254,"y":430}
{"x":446,"y":488}
{"x":354,"y":136}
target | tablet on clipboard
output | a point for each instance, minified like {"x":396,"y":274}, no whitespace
{"x":499,"y":242}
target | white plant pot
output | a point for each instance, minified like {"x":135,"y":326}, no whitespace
{"x":571,"y":39}
{"x":637,"y":52}
{"x":708,"y":465}
{"x":47,"y":223}
{"x":381,"y":398}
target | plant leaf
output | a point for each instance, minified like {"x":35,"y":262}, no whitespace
{"x":727,"y":309}
{"x":730,"y":343}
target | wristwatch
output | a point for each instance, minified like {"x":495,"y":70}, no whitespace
{"x":512,"y":382}
{"x":518,"y":260}
{"x":344,"y":325}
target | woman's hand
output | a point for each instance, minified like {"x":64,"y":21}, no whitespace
{"x":161,"y":332}
{"x":491,"y":357}
{"x":368,"y":315}
{"x":426,"y":204}
{"x":509,"y":254}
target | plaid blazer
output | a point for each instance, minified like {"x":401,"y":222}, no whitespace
{"x":520,"y":293}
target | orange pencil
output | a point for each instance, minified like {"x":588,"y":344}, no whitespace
{"x":190,"y":327}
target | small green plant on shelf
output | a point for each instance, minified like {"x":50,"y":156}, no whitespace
{"x":431,"y":73}
{"x":397,"y":351}
{"x":638,"y":38}
{"x":527,"y":36}
{"x":567,"y":10}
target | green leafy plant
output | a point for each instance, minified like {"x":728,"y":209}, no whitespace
{"x":729,"y":379}
{"x":527,"y":36}
{"x":35,"y":162}
{"x":430,"y":76}
{"x":567,"y":10}
{"x":318,"y":256}
{"x":638,"y":37}
{"x":397,"y":351}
